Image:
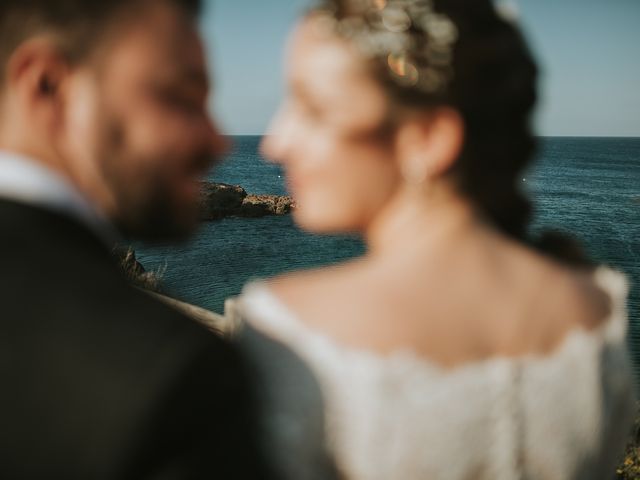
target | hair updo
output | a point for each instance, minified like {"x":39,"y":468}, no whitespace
{"x":490,"y":79}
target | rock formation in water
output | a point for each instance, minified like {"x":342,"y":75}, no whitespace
{"x":220,"y":200}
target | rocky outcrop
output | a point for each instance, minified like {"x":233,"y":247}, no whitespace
{"x":263,"y":205}
{"x":220,"y":200}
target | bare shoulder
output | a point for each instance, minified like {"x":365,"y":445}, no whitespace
{"x":353,"y":303}
{"x":581,"y":299}
{"x":571,"y":295}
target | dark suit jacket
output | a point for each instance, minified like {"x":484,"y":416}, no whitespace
{"x":99,"y":381}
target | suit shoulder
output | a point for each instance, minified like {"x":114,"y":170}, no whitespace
{"x":140,"y":312}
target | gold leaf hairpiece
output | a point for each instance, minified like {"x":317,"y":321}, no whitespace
{"x":388,"y":29}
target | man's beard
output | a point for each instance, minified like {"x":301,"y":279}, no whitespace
{"x":151,"y":216}
{"x":145,"y":206}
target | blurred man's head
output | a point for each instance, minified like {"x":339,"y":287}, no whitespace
{"x":113,"y":95}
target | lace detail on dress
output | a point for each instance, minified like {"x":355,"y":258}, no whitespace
{"x":400,"y":416}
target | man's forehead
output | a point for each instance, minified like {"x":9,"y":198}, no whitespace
{"x":173,"y":32}
{"x":165,"y":40}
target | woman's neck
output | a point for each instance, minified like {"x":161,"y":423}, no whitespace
{"x":414,"y":219}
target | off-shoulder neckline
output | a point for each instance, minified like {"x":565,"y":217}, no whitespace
{"x":265,"y":311}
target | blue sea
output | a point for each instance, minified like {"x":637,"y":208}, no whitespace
{"x":589,"y":187}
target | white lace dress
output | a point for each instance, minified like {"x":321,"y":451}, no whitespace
{"x":565,"y":415}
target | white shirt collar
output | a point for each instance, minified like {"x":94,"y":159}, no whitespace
{"x":27,"y":181}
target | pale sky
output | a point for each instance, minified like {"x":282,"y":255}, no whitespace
{"x":589,"y":52}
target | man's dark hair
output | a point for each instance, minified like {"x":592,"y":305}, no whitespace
{"x":76,"y":24}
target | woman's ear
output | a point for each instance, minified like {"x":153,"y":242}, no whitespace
{"x":427,"y":146}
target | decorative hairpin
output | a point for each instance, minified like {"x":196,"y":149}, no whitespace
{"x":390,"y":28}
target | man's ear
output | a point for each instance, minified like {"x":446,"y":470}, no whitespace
{"x":430,"y":143}
{"x":35,"y":76}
